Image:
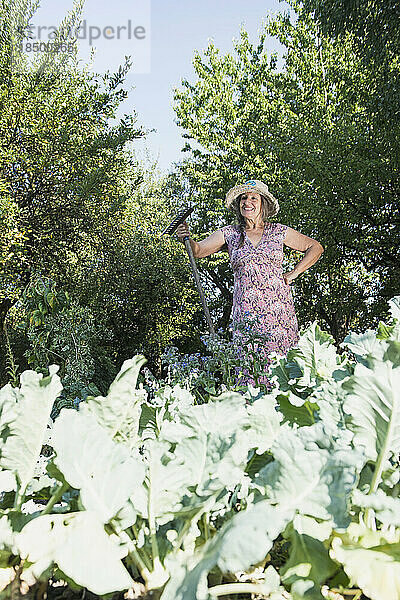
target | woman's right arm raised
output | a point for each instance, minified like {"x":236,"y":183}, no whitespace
{"x":211,"y":244}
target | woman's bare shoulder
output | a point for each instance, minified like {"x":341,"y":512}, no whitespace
{"x":298,"y":241}
{"x":211,"y":244}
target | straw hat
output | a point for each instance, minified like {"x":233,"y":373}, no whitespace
{"x":253,"y":185}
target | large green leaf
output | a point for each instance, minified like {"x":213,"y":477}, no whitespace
{"x":168,"y":478}
{"x":211,"y":448}
{"x":167,"y":405}
{"x":24,"y":417}
{"x":247,"y":538}
{"x":310,"y":478}
{"x":316,"y":356}
{"x":253,"y":426}
{"x":309,"y":558}
{"x":214,"y":440}
{"x":205,"y":464}
{"x":284,"y":370}
{"x":243,"y":541}
{"x":313,"y":362}
{"x":366,"y":347}
{"x":263,"y":424}
{"x":299,"y":415}
{"x":223,"y":416}
{"x":373,"y":404}
{"x":105,"y":472}
{"x":204,"y":450}
{"x":329,"y":397}
{"x":386,"y":508}
{"x":119,"y":412}
{"x":80,"y":547}
{"x":371,"y":560}
{"x":370,"y":346}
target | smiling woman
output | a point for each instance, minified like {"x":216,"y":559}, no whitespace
{"x":261,"y":290}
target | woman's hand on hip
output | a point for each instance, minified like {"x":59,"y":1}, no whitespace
{"x":289,"y":277}
{"x":182,"y":231}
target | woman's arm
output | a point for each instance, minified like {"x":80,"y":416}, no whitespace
{"x":312,"y":249}
{"x":211,"y":244}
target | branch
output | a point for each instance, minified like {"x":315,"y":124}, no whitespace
{"x":219,"y":283}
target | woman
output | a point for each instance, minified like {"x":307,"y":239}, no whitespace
{"x":262,"y":291}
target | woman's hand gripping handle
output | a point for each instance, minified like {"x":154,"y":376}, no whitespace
{"x":182,"y":231}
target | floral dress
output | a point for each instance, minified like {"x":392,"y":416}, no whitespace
{"x":262,"y":301}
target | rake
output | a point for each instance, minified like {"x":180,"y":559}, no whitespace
{"x":172,"y":227}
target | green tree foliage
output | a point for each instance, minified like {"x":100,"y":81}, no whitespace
{"x":62,"y":164}
{"x":374,"y":28}
{"x":134,"y":292}
{"x":309,"y":130}
{"x":65,"y":171}
{"x":74,"y":216}
{"x":60,"y":330}
{"x":375,"y":25}
{"x":140,"y":285}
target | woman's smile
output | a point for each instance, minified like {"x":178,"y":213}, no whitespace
{"x":250,"y":205}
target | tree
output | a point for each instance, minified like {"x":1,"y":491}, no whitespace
{"x":375,"y":25}
{"x":140,"y":286}
{"x":81,"y":214}
{"x":307,"y":129}
{"x":374,"y":28}
{"x":64,"y":169}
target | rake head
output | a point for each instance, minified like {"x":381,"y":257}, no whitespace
{"x":180,"y":218}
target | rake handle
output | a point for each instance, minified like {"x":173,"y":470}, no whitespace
{"x":198,"y":284}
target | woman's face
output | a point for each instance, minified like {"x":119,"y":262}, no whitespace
{"x":250,"y":205}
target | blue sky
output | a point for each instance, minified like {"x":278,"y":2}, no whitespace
{"x":177,"y":29}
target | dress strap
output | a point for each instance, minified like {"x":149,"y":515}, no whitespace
{"x":279,"y":231}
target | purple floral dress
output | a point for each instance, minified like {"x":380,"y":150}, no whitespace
{"x":261,"y":297}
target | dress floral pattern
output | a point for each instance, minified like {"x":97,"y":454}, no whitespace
{"x":260,"y":292}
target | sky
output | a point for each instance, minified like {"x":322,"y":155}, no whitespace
{"x":162,"y":48}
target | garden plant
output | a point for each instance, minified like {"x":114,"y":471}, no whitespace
{"x":286,"y":494}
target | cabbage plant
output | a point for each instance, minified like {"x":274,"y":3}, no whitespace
{"x":189,"y":501}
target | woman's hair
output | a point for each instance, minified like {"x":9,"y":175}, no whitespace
{"x":267,"y":210}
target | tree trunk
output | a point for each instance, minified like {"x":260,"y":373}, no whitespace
{"x":5,"y":306}
{"x":226,"y":294}
{"x":337,"y":329}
